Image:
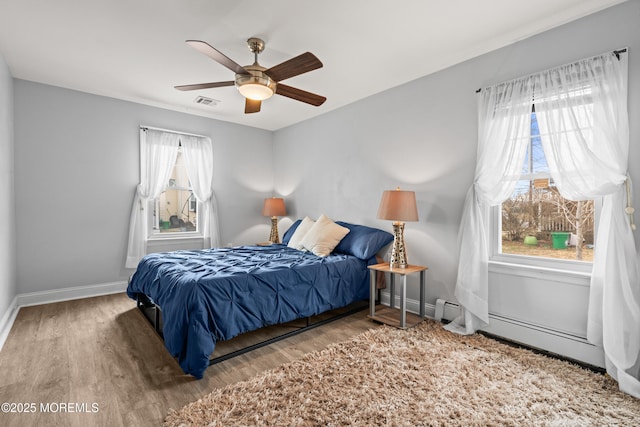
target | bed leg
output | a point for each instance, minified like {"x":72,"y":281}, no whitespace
{"x":157,"y":316}
{"x":154,"y":318}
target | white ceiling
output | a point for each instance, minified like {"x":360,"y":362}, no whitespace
{"x":134,"y":49}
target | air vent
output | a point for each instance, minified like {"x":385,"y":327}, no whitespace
{"x":203,"y":100}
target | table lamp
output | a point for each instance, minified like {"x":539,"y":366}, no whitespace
{"x":398,"y":206}
{"x":274,"y":207}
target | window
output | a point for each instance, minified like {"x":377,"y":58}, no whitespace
{"x":168,"y":207}
{"x":175,"y":211}
{"x":537,"y":221}
{"x":581,"y":110}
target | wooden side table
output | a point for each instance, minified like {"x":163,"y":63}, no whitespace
{"x":390,"y":315}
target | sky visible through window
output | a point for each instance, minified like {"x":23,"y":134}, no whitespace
{"x":535,"y":161}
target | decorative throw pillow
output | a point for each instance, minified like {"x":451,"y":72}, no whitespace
{"x":301,"y":231}
{"x":292,"y":229}
{"x":323,"y":236}
{"x":363,"y":242}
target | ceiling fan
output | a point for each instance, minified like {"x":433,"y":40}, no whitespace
{"x":257,"y":83}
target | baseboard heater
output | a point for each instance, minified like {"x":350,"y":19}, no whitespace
{"x":453,"y":310}
{"x":540,"y":339}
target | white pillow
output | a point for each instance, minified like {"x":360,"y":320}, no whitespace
{"x":323,"y":236}
{"x":304,"y":226}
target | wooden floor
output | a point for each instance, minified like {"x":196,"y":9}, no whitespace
{"x":99,"y":356}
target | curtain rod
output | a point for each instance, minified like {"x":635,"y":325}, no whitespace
{"x":619,"y":51}
{"x":616,"y":52}
{"x":172,"y":131}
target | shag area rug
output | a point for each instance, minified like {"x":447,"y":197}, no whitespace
{"x":424,"y":376}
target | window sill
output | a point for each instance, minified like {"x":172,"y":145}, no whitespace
{"x":159,"y":240}
{"x":172,"y":238}
{"x":580,"y":275}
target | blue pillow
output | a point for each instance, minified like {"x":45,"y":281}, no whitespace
{"x":362,"y":241}
{"x":290,"y":231}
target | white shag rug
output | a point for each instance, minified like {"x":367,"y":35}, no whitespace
{"x":424,"y":376}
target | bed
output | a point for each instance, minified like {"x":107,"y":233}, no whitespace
{"x":211,"y":295}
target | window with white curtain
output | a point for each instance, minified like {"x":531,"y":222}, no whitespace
{"x":175,"y":196}
{"x":536,"y":221}
{"x":581,"y":110}
{"x":175,"y":212}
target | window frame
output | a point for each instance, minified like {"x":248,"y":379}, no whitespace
{"x":496,"y":257}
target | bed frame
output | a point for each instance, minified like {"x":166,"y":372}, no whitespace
{"x":153,"y":314}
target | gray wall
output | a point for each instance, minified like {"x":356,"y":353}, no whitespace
{"x":422,"y":136}
{"x":7,"y":209}
{"x":77,"y":166}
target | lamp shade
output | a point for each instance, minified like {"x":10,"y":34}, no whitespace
{"x":274,"y":206}
{"x":398,"y":205}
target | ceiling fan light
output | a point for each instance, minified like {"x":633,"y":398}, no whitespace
{"x":256,"y":92}
{"x":254,"y":87}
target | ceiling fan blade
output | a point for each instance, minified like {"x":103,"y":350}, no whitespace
{"x":300,"y":95}
{"x":252,"y":106}
{"x":293,"y":67}
{"x":205,"y":85}
{"x":217,"y":56}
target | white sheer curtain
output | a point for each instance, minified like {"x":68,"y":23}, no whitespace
{"x":504,"y":121}
{"x":198,"y":157}
{"x":582,"y":114}
{"x":158,"y":152}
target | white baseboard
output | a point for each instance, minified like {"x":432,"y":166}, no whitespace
{"x":7,"y":321}
{"x":57,"y":295}
{"x":535,"y":336}
{"x":412,"y":305}
{"x":68,"y":294}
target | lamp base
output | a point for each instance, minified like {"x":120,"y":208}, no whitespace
{"x":274,"y":237}
{"x":398,"y":253}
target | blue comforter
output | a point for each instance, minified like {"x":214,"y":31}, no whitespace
{"x":216,"y":294}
